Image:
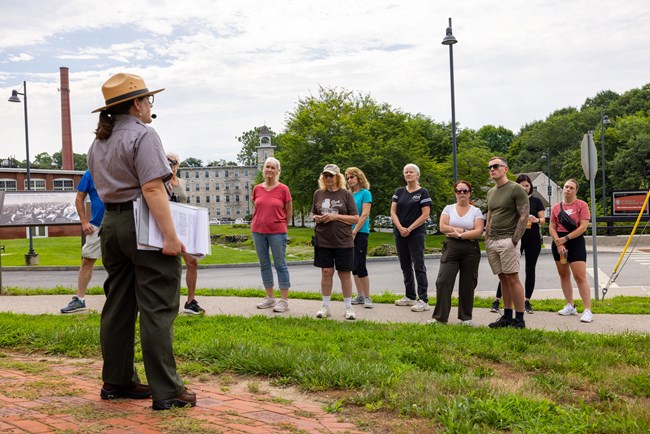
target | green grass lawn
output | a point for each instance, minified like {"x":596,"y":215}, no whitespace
{"x":456,"y":379}
{"x":66,"y":251}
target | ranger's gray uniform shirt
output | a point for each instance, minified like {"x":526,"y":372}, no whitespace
{"x":134,"y":157}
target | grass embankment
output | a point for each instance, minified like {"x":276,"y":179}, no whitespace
{"x":453,"y":379}
{"x":66,"y":251}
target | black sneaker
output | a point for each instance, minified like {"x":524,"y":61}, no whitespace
{"x":518,"y":324}
{"x":495,"y":307}
{"x":528,"y":307}
{"x":193,"y":308}
{"x":501,"y":322}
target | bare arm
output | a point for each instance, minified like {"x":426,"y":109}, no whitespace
{"x":155,"y":194}
{"x":393,"y":216}
{"x":584,"y":224}
{"x":365,"y":212}
{"x":521,"y":224}
{"x":288,"y":209}
{"x":541,"y":218}
{"x":80,"y":204}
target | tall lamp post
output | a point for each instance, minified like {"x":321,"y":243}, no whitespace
{"x":14,"y":98}
{"x":604,"y":119}
{"x":450,"y":40}
{"x":547,"y":156}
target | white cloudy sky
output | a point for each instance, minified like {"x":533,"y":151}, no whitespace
{"x":229,"y":66}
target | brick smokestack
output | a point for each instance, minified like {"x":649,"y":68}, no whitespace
{"x":67,"y":158}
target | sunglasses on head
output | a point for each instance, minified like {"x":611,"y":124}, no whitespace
{"x":461,"y":190}
{"x":172,"y":162}
{"x":495,"y":166}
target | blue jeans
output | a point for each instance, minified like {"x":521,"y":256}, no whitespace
{"x":278,"y":245}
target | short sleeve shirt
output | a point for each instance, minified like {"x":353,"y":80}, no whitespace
{"x":467,"y":221}
{"x":270,"y":214}
{"x":132,"y":156}
{"x":578,"y":210}
{"x":86,"y":185}
{"x":360,"y":197}
{"x":409,"y":206}
{"x":335,"y":234}
{"x":503,"y":203}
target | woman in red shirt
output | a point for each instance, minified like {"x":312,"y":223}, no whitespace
{"x":273,"y":209}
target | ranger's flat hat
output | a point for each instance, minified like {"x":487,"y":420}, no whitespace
{"x":124,"y":87}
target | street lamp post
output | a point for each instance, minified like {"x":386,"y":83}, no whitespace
{"x":450,"y":40}
{"x":14,"y":98}
{"x":604,"y":119}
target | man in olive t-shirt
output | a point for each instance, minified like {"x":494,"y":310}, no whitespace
{"x":506,"y":223}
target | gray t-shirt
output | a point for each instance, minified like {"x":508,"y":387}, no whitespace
{"x":132,"y":156}
{"x":503,"y":203}
{"x":335,"y":234}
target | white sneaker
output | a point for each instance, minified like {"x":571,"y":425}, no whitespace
{"x":323,"y":312}
{"x":281,"y":306}
{"x":568,"y":310}
{"x":467,"y":322}
{"x":349,"y":314}
{"x":405,"y":301}
{"x":367,"y":303}
{"x":434,"y":321}
{"x":587,"y":316}
{"x":266,"y":303}
{"x":420,"y":306}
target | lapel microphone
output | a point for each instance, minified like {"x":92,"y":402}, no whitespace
{"x":153,"y":116}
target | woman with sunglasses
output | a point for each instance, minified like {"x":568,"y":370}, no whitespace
{"x":463,"y":224}
{"x":359,"y":187}
{"x":410,"y":209}
{"x":177,"y":193}
{"x":531,"y":243}
{"x":334,"y":212}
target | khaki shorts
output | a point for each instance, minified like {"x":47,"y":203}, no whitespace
{"x":93,"y":247}
{"x":503,"y":256}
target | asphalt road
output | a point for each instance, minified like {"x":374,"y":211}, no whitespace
{"x":385,"y":275}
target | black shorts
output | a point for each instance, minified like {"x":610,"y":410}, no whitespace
{"x":341,"y":259}
{"x":360,"y":253}
{"x":575,"y":247}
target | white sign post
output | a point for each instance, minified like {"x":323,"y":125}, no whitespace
{"x":588,"y":159}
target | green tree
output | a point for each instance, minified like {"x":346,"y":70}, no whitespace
{"x":80,"y":161}
{"x":630,"y":166}
{"x":42,"y":161}
{"x":191,"y":162}
{"x":338,"y":126}
{"x":496,"y":139}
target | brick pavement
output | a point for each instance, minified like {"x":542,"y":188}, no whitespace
{"x":56,"y":395}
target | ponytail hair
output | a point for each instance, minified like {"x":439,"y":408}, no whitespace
{"x":107,"y":119}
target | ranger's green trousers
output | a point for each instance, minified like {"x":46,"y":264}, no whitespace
{"x":141,"y":281}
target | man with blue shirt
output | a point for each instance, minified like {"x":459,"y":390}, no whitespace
{"x":91,"y":250}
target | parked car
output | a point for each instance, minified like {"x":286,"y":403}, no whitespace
{"x":214,"y":221}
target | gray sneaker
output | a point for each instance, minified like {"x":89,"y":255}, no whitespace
{"x":421,"y":306}
{"x":405,"y":301}
{"x":266,"y":303}
{"x":358,"y":299}
{"x":281,"y":306}
{"x":74,"y":306}
{"x":367,"y":303}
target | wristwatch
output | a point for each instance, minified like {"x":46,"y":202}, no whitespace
{"x":567,"y":238}
{"x":460,"y":236}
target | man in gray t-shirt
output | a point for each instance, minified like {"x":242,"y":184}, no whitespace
{"x":506,"y":224}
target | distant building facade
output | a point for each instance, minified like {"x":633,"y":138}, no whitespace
{"x":226,"y":191}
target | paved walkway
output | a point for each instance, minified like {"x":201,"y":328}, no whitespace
{"x":52,"y":395}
